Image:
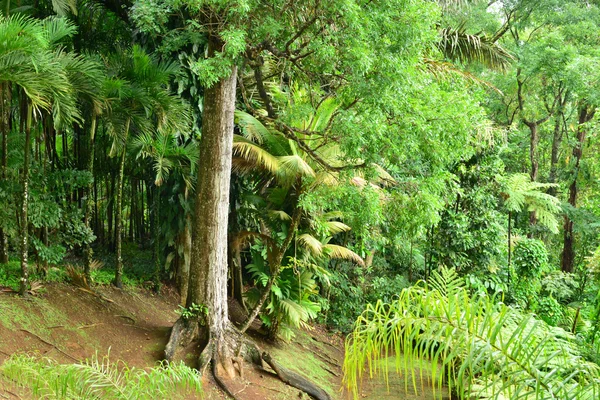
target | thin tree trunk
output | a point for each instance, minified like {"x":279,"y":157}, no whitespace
{"x":5,"y":116}
{"x":208,"y":272}
{"x":118,"y":282}
{"x":534,"y":140}
{"x":24,"y":208}
{"x":110,"y":197}
{"x":184,"y":272}
{"x":568,"y":254}
{"x":556,"y":142}
{"x":89,"y":253}
{"x":133,"y":186}
{"x":156,"y":238}
{"x":275,"y":268}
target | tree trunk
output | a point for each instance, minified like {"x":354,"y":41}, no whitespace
{"x":183,"y":274}
{"x":534,"y":140}
{"x":24,"y":208}
{"x":556,"y":142}
{"x":568,"y":254}
{"x":89,"y":205}
{"x":5,"y":100}
{"x":118,"y":282}
{"x":156,"y":238}
{"x":208,"y":272}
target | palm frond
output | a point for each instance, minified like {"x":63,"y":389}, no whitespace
{"x":457,"y":45}
{"x":312,"y":244}
{"x":335,"y":251}
{"x":255,"y":154}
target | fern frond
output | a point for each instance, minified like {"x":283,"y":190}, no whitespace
{"x":483,"y":348}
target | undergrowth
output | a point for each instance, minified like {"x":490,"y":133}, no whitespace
{"x":100,"y":379}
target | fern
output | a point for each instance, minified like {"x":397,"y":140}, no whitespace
{"x":99,"y":379}
{"x":483,"y":349}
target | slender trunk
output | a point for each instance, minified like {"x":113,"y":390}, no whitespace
{"x":184,"y":272}
{"x":89,"y":206}
{"x":556,"y":142}
{"x":118,"y":282}
{"x":208,"y":272}
{"x":509,"y":237}
{"x":568,"y":254}
{"x":534,"y":140}
{"x":5,"y":102}
{"x":110,"y":198}
{"x":156,"y":234}
{"x":233,"y":254}
{"x":275,"y":268}
{"x":24,"y":208}
{"x":132,"y":185}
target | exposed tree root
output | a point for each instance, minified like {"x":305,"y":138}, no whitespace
{"x":219,"y":354}
{"x":50,"y":344}
{"x":182,"y":334}
{"x":296,"y":380}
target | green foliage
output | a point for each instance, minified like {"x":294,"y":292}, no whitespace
{"x":193,"y":311}
{"x":100,"y":378}
{"x":480,"y":347}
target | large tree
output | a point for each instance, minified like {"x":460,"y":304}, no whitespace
{"x":359,"y":52}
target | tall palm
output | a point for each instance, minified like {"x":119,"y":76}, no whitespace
{"x":139,"y":101}
{"x":31,"y":62}
{"x":172,"y":157}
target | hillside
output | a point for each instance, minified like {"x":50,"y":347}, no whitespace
{"x":70,"y":325}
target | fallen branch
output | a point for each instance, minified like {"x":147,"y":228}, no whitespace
{"x":95,"y":294}
{"x":296,"y":380}
{"x":50,"y":344}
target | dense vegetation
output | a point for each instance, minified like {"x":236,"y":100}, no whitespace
{"x":420,"y":173}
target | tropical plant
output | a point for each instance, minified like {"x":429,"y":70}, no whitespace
{"x":478,"y":346}
{"x":140,"y":102}
{"x":100,"y":379}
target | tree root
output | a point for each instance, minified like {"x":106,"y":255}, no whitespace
{"x":296,"y":380}
{"x":50,"y":344}
{"x":182,"y":334}
{"x":219,"y":352}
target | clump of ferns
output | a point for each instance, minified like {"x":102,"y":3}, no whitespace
{"x":99,"y":378}
{"x":477,"y":346}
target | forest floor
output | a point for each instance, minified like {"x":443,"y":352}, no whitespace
{"x":70,"y":325}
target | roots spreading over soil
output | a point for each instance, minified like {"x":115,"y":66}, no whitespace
{"x":226,"y":352}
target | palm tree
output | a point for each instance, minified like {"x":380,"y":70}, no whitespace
{"x":139,"y":102}
{"x":295,"y":171}
{"x":30,"y":62}
{"x":172,"y":156}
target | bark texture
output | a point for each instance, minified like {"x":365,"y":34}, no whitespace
{"x":208,"y":272}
